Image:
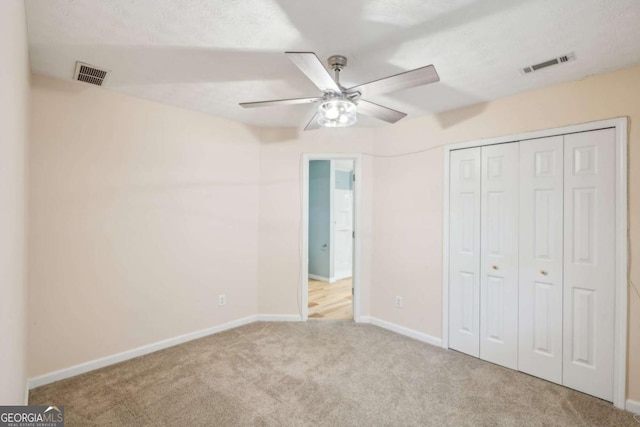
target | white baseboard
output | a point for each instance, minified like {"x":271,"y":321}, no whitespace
{"x":340,"y":277}
{"x":411,"y":333}
{"x":130,"y":354}
{"x":279,"y":318}
{"x":329,"y":279}
{"x":140,"y":351}
{"x":632,"y":406}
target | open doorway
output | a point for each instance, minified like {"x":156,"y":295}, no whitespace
{"x":329,"y":238}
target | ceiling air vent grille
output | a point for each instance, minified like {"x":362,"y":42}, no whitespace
{"x":559,"y":60}
{"x":90,"y":74}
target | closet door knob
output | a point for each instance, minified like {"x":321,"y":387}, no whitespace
{"x":495,"y":267}
{"x":543,"y":272}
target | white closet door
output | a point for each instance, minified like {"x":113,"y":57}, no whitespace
{"x":464,"y":255}
{"x":589,"y":262}
{"x":540,"y":282}
{"x":499,"y":255}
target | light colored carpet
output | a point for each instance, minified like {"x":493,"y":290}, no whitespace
{"x":331,"y":373}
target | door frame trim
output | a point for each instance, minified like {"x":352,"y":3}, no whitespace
{"x":304,"y":236}
{"x":620,"y":124}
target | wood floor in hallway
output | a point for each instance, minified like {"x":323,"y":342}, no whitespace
{"x":330,"y":300}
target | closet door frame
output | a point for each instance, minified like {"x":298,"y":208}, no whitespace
{"x":621,"y":280}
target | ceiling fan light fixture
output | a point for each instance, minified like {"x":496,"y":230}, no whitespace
{"x":337,"y":112}
{"x":338,"y":104}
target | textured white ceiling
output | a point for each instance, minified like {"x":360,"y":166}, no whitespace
{"x":209,"y":55}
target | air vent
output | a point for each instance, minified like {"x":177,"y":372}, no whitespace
{"x":90,"y":74}
{"x":555,"y":61}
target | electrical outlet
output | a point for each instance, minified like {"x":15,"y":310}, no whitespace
{"x":222,"y":299}
{"x":399,"y":302}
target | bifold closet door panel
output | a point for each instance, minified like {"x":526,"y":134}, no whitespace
{"x":540,"y":281}
{"x":464,"y":251}
{"x":589,"y":262}
{"x":499,"y":255}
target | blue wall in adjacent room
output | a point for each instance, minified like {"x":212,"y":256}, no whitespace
{"x":319,"y":217}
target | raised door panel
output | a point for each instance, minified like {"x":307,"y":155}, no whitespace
{"x":589,"y":262}
{"x":464,"y":246}
{"x":499,"y":255}
{"x":540,"y":265}
{"x":343,"y":233}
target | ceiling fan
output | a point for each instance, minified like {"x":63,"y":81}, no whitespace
{"x":338,"y":105}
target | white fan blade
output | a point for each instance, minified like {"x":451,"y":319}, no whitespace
{"x":413,"y":78}
{"x":279,"y":102}
{"x":311,"y":66}
{"x":313,"y":123}
{"x":379,"y":112}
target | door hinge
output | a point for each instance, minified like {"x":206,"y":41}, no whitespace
{"x":353,"y":177}
{"x":353,"y":234}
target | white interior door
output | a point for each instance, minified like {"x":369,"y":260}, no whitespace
{"x":499,"y":255}
{"x":343,"y":202}
{"x":540,"y":282}
{"x":343,"y":223}
{"x":589,"y":262}
{"x":464,"y":255}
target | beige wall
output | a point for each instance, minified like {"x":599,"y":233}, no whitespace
{"x":281,"y":211}
{"x":140,"y":215}
{"x":14,"y":98}
{"x":407,"y":232}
